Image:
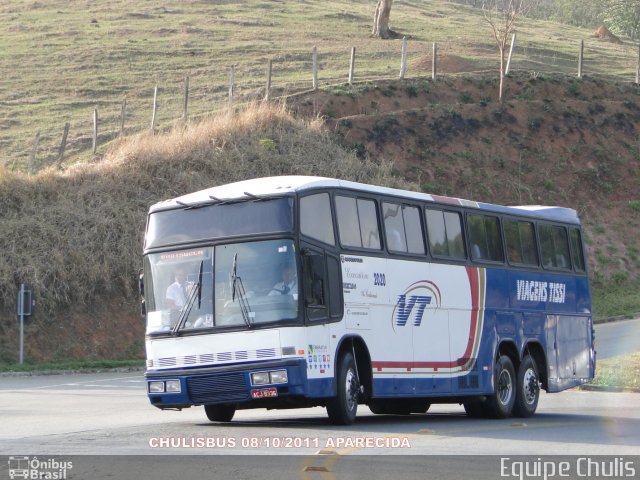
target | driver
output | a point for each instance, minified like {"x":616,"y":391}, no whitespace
{"x":289,"y":283}
{"x":177,"y":292}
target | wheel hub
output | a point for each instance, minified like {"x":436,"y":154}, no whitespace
{"x":351,"y":389}
{"x":505,"y":387}
{"x":530,"y":386}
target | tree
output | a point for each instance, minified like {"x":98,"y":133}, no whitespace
{"x":623,"y":17}
{"x":502,"y":15}
{"x":381,"y":20}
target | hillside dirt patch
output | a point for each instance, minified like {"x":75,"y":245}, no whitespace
{"x":554,"y":141}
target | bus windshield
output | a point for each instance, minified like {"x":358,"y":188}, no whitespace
{"x":232,"y":285}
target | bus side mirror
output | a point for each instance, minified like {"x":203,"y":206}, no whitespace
{"x":143,"y":308}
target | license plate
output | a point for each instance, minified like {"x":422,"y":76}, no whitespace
{"x":264,"y":393}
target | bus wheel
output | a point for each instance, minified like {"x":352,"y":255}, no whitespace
{"x":528,"y":388}
{"x":343,"y":407}
{"x":379,"y":408}
{"x":220,"y":413}
{"x":500,"y":404}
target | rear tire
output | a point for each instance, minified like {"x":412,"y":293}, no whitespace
{"x":220,"y":413}
{"x":500,"y":404}
{"x":342,"y":408}
{"x":528,"y":388}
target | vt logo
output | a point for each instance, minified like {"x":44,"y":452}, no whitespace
{"x":404,"y":308}
{"x":412,"y":303}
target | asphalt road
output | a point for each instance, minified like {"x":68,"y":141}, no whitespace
{"x":617,"y":338}
{"x":104,"y":423}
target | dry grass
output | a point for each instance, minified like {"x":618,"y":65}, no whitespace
{"x":76,"y":236}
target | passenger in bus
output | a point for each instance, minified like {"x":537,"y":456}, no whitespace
{"x":289,"y":283}
{"x":177,"y":292}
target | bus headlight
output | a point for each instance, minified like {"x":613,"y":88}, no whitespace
{"x":173,"y":386}
{"x":260,"y":378}
{"x":278,"y":376}
{"x":156,"y":387}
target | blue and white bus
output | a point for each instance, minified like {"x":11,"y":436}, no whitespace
{"x":295,"y":291}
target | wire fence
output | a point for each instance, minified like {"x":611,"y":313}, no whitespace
{"x":156,"y":107}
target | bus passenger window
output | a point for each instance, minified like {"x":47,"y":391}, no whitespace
{"x":368,"y":217}
{"x":315,"y":218}
{"x":484,"y":236}
{"x":357,"y":223}
{"x":394,"y":227}
{"x":520,"y":241}
{"x":348,"y":224}
{"x":445,"y":233}
{"x":554,"y":247}
{"x":413,"y":228}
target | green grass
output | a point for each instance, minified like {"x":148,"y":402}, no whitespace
{"x":614,"y":300}
{"x":71,"y":365}
{"x":62,"y":58}
{"x":619,"y":372}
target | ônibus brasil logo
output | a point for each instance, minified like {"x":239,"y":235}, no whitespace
{"x":412,"y":303}
{"x":34,"y":468}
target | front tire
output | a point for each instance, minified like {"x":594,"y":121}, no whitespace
{"x":500,"y":404}
{"x":343,"y":407}
{"x":528,"y":388}
{"x":220,"y":413}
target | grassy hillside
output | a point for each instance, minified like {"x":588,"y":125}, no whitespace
{"x":77,"y":236}
{"x":62,"y":58}
{"x":75,"y":233}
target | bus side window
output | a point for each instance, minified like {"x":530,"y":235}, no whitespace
{"x":554,"y":247}
{"x":445,"y":233}
{"x":315,"y":218}
{"x":484,"y":237}
{"x":576,"y":249}
{"x":520,"y":240}
{"x":315,"y":285}
{"x":394,"y":226}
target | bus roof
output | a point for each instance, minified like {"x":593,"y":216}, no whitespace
{"x":283,"y":185}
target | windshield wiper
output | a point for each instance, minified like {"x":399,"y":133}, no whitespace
{"x":237,"y":287}
{"x":196,"y":293}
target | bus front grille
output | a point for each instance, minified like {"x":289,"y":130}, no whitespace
{"x":218,"y":388}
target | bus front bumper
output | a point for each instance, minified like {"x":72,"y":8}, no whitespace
{"x":228,"y":384}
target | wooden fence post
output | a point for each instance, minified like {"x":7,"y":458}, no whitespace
{"x":403,"y":61}
{"x":63,"y":145}
{"x":314,"y":71}
{"x":185,"y":111}
{"x":513,"y":42}
{"x":94,"y":143}
{"x":155,"y":108}
{"x":580,"y":58}
{"x":232,"y":79}
{"x":123,"y":112}
{"x":269,"y":71}
{"x":638,"y":68}
{"x":34,"y":153}
{"x":434,"y":65}
{"x":352,"y":65}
